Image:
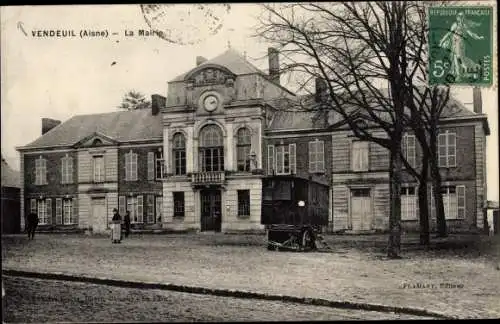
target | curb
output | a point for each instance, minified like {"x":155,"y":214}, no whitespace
{"x":226,"y":293}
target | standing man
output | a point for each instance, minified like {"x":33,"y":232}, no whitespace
{"x":32,"y":224}
{"x":127,"y":223}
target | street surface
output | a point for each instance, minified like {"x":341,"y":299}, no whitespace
{"x":35,"y":300}
{"x":455,"y":279}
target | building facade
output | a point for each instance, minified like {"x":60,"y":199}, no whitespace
{"x":196,"y":159}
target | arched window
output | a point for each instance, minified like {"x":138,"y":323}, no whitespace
{"x":97,"y":142}
{"x":243,"y":144}
{"x":179,"y":154}
{"x":211,"y":149}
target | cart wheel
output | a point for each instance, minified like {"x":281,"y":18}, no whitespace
{"x":307,"y":239}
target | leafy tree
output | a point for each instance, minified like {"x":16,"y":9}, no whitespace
{"x":134,"y":100}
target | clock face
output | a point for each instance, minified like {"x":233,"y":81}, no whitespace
{"x":210,"y":103}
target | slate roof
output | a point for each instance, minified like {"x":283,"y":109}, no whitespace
{"x":292,"y":115}
{"x":10,"y":177}
{"x":232,"y":60}
{"x":122,"y":126}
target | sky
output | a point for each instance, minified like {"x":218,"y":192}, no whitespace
{"x":61,"y":77}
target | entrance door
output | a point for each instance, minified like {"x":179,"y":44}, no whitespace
{"x":99,"y":219}
{"x":361,"y":213}
{"x":211,"y":210}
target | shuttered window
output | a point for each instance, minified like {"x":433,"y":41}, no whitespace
{"x":359,"y":159}
{"x":131,"y":166}
{"x":409,"y":149}
{"x":99,"y":172}
{"x":67,"y":211}
{"x":271,"y":168}
{"x":40,"y":171}
{"x":447,"y":149}
{"x":454,"y":198}
{"x":66,"y":169}
{"x":122,"y":205}
{"x":285,"y":159}
{"x":150,"y":219}
{"x":316,"y":156}
{"x":151,"y":166}
{"x":59,"y":211}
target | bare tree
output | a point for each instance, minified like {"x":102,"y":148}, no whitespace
{"x":134,"y":100}
{"x":353,"y":47}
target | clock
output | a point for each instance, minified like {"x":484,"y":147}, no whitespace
{"x":210,"y":103}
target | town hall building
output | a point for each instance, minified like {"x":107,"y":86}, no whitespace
{"x":195,"y":161}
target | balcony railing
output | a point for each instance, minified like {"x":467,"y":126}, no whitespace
{"x":209,"y":177}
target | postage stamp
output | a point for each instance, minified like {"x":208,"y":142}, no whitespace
{"x":460,"y":45}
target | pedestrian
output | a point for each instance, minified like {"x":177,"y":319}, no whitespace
{"x":116,"y":227}
{"x":127,"y":223}
{"x":32,"y":224}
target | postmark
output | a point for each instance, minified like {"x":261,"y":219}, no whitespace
{"x":460,"y":45}
{"x":185,"y":24}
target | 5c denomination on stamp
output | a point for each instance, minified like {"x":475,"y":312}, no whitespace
{"x":460,"y":45}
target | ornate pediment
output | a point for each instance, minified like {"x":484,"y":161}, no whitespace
{"x":210,"y":76}
{"x":95,"y":140}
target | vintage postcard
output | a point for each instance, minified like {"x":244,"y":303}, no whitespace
{"x":250,"y":162}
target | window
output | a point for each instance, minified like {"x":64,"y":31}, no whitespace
{"x":40,"y":171}
{"x":159,"y":207}
{"x":44,"y":211}
{"x":178,"y":204}
{"x":67,"y":169}
{"x":150,"y":219}
{"x":211,"y":149}
{"x":179,"y":153}
{"x":67,"y":211}
{"x":360,"y":156}
{"x":271,"y":168}
{"x":447,"y":149}
{"x":135,"y":206}
{"x":453,"y":202}
{"x":285,"y":159}
{"x":409,"y":203}
{"x":243,"y":202}
{"x":131,"y":166}
{"x":409,"y":149}
{"x":316,"y":156}
{"x":243,"y":145}
{"x":98,"y":168}
{"x":159,"y":165}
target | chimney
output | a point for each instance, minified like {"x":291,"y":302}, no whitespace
{"x":320,"y":89}
{"x":200,"y":60}
{"x":274,"y":64}
{"x":157,"y":102}
{"x":48,"y":124}
{"x":477,"y":101}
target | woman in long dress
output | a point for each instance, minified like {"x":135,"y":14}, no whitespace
{"x":454,"y":42}
{"x":116,"y":230}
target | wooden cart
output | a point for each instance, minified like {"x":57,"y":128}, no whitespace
{"x":294,"y":210}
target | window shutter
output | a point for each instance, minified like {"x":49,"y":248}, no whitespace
{"x":159,"y":201}
{"x":74,"y":214}
{"x":122,"y":202}
{"x":63,"y":171}
{"x":37,"y":172}
{"x":355,"y":156}
{"x":417,"y":208}
{"x":452,"y":150}
{"x":270,"y":160}
{"x":33,"y":206}
{"x":320,"y":155}
{"x":135,"y":166}
{"x":433,"y":209}
{"x":293,"y":162}
{"x":151,"y":165}
{"x":48,"y":205}
{"x":312,"y":155}
{"x":70,"y":169}
{"x":442,"y":160}
{"x":140,"y":209}
{"x":59,"y":211}
{"x":127,"y":166}
{"x":461,"y":202}
{"x":410,"y":150}
{"x":44,"y":174}
{"x":150,"y":209}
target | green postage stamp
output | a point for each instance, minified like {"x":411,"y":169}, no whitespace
{"x":461,"y":45}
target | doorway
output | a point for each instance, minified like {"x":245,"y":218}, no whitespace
{"x":99,"y":219}
{"x":211,"y":216}
{"x":361,"y":211}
